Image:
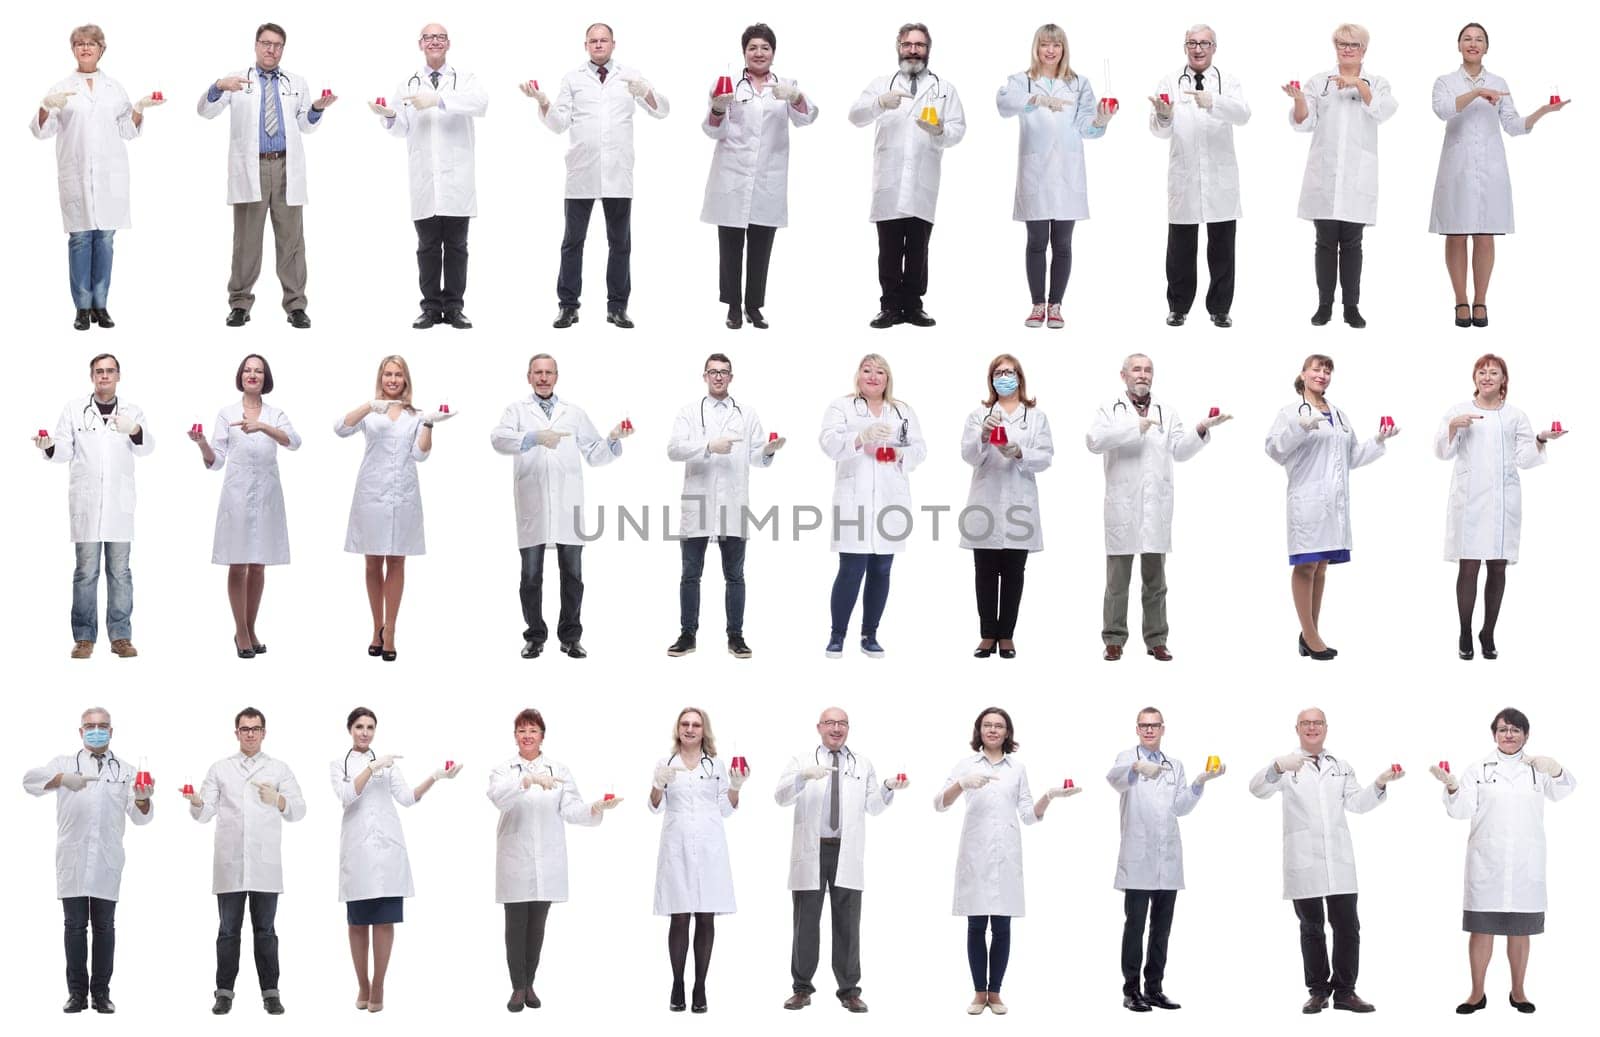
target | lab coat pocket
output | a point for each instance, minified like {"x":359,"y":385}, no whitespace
{"x":1306,"y":511}
{"x":1367,"y":176}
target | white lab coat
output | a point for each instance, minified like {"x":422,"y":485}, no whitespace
{"x":1202,"y":172}
{"x":439,"y":141}
{"x":989,"y":861}
{"x":1505,"y":849}
{"x":530,"y":861}
{"x":693,"y":874}
{"x":295,"y":96}
{"x":1483,"y":516}
{"x":90,"y":823}
{"x":861,"y":794}
{"x":1052,"y":178}
{"x":1004,"y":495}
{"x":716,"y":487}
{"x":1472,"y":192}
{"x":252,"y":527}
{"x":386,"y":510}
{"x":1319,"y":858}
{"x":1341,"y":181}
{"x":372,"y":849}
{"x":1139,"y":500}
{"x":905,"y":159}
{"x":600,"y":116}
{"x":100,"y":495}
{"x":749,"y":179}
{"x":1150,"y":855}
{"x":91,"y":158}
{"x":548,"y":484}
{"x":867,"y":492}
{"x":247,"y":855}
{"x":1318,"y":464}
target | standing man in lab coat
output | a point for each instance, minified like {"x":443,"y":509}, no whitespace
{"x":1196,"y":109}
{"x":596,"y":103}
{"x":96,"y":793}
{"x":548,"y":437}
{"x":907,"y":150}
{"x":1319,"y":859}
{"x":1150,"y":857}
{"x":433,"y":111}
{"x":833,"y":790}
{"x":251,"y":795}
{"x":98,"y":437}
{"x":1140,"y":439}
{"x":718,"y":441}
{"x":268,"y":109}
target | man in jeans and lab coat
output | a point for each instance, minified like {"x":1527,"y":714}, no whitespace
{"x":97,"y":438}
{"x":1150,"y":858}
{"x":718,"y":441}
{"x":1319,"y":870}
{"x":251,"y":795}
{"x":96,"y":793}
{"x":833,"y":790}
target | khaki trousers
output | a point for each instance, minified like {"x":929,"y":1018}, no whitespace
{"x":288,"y":239}
{"x":1153,"y":581}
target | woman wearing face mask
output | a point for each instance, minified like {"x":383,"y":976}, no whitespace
{"x":1505,"y":884}
{"x":1007,"y":442}
{"x":252,"y":529}
{"x":1317,"y":446}
{"x":1488,"y":440}
{"x":747,"y":193}
{"x":1472,"y":193}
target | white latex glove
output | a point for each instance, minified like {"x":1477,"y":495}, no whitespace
{"x":423,"y":99}
{"x":773,"y":446}
{"x":1290,"y":763}
{"x":891,"y":100}
{"x":974,"y":781}
{"x":195,"y":800}
{"x":721,"y":445}
{"x":737,"y":777}
{"x":815,"y":772}
{"x":437,"y":416}
{"x":378,"y":109}
{"x":1013,"y":451}
{"x":382,"y":406}
{"x":124,"y":424}
{"x":446,"y":772}
{"x":990,"y":420}
{"x":44,"y":442}
{"x":1103,"y":113}
{"x":789,"y":92}
{"x":548,"y":782}
{"x":877,"y":432}
{"x":148,"y":101}
{"x":619,"y":431}
{"x":720,"y":102}
{"x":1205,"y":776}
{"x":602,"y":805}
{"x":549,"y":438}
{"x":1545,"y":765}
{"x":56,"y":101}
{"x":1207,"y":424}
{"x":229,"y":84}
{"x":896,"y":784}
{"x":639,"y":87}
{"x":663,"y":776}
{"x":1145,"y":425}
{"x":1309,"y":421}
{"x":1202,"y":98}
{"x":1058,"y":793}
{"x":538,"y":95}
{"x":1147,"y":768}
{"x":1163,"y":109}
{"x":383,"y":762}
{"x":1445,"y":778}
{"x":75,"y":782}
{"x":932,"y":129}
{"x":1055,"y":104}
{"x":1387,"y":432}
{"x":1385,"y":777}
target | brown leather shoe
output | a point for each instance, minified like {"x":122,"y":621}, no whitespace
{"x":853,"y":1004}
{"x":1161,"y":653}
{"x":123,"y":648}
{"x":1113,"y":653}
{"x":797,"y":1001}
{"x":82,"y":649}
{"x":1314,"y":1004}
{"x":1351,"y":1002}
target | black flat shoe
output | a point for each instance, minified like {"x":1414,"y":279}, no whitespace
{"x":515,"y":1004}
{"x":574,"y":651}
{"x":1323,"y":315}
{"x":244,"y":653}
{"x":377,"y":649}
{"x":298,"y":319}
{"x":753,"y":315}
{"x":884,"y":319}
{"x":1525,"y":1007}
{"x":425,"y":320}
{"x":566,"y":318}
{"x":1487,"y":644}
{"x":1176,"y":319}
{"x":698,"y":1002}
{"x":533,"y":999}
{"x":75,"y":1003}
{"x":735,"y":319}
{"x":1322,"y":656}
{"x":238,"y":317}
{"x":80,"y":322}
{"x":918,"y":318}
{"x":102,"y":318}
{"x":1134,"y":1003}
{"x":532,"y":649}
{"x":1352,"y":317}
{"x":1482,"y":322}
{"x":981,"y":652}
{"x":1160,"y":1000}
{"x":1464,"y":322}
{"x":1468,"y":1007}
{"x":619,"y":318}
{"x":676,"y":1002}
{"x":1221,"y":320}
{"x":458,"y":320}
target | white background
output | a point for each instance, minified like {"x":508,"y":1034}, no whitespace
{"x":1396,"y":693}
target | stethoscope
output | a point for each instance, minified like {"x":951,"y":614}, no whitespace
{"x":110,"y":758}
{"x":1533,"y":775}
{"x":285,"y":84}
{"x":707,"y":767}
{"x":937,"y":82}
{"x":849,"y":760}
{"x":91,"y":412}
{"x":1161,"y":416}
{"x":416,"y":78}
{"x":730,"y":399}
{"x":863,"y":411}
{"x":1004,"y":416}
{"x":1333,"y":413}
{"x":1188,"y":73}
{"x":1321,"y":772}
{"x":1065,"y":82}
{"x":367,"y":755}
{"x":1331,"y":79}
{"x":1164,"y":763}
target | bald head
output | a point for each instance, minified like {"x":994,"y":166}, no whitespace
{"x":434,"y":42}
{"x":1312,"y":727}
{"x":834,"y":727}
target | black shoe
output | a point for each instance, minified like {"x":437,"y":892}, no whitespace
{"x":389,"y":656}
{"x":425,"y":320}
{"x":682,"y":646}
{"x":1352,"y":317}
{"x":377,"y":649}
{"x":566,"y":318}
{"x":698,"y":1001}
{"x":1134,"y":1003}
{"x":259,"y":649}
{"x":244,"y":653}
{"x":1464,"y":322}
{"x":981,"y":652}
{"x":1322,"y":656}
{"x":1323,"y":315}
{"x":102,"y":1003}
{"x":1525,"y":1007}
{"x":516,"y":1001}
{"x":75,"y":1003}
{"x":458,"y":320}
{"x":1464,"y":648}
{"x":676,"y":1001}
{"x":918,"y":318}
{"x":574,"y":651}
{"x":884,"y":319}
{"x":532,"y":999}
{"x":1222,"y":320}
{"x":80,"y":322}
{"x":737,"y":648}
{"x":1176,"y":319}
{"x":1160,"y":1000}
{"x":102,"y":318}
{"x":1351,"y":1002}
{"x":619,"y":318}
{"x":532,"y":649}
{"x":1314,"y":1004}
{"x":1468,"y":1007}
{"x":273,"y":1005}
{"x":1487,"y":644}
{"x":1006,"y":653}
{"x":735,"y":319}
{"x":753,"y":315}
{"x":1477,"y":322}
{"x":298,"y":319}
{"x":238,"y":317}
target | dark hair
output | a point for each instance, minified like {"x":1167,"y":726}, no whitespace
{"x":357,"y":714}
{"x":722,"y":357}
{"x":759,"y":31}
{"x":266,"y":374}
{"x":271,"y":27}
{"x":1314,"y":358}
{"x":1147,"y":710}
{"x":104,"y":356}
{"x":250,"y":711}
{"x":1498,"y":361}
{"x":529,"y":716}
{"x":1474,"y":25}
{"x":1515,"y":717}
{"x":1010,"y":745}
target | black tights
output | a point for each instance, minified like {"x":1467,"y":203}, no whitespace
{"x":1494,"y":591}
{"x":705,"y":932}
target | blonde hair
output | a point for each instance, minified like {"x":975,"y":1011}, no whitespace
{"x":1050,"y":32}
{"x":90,"y":32}
{"x":876,"y":360}
{"x":1360,"y":32}
{"x":708,"y":741}
{"x":405,"y":370}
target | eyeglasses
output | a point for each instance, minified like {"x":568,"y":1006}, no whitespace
{"x":1348,"y":44}
{"x":1005,"y":372}
{"x":993,"y":727}
{"x":1199,"y":44}
{"x":719,"y":372}
{"x":1151,"y":727}
{"x":104,"y":370}
{"x":1312,"y":723}
{"x":269,"y":45}
{"x":435,"y":37}
{"x":251,"y":729}
{"x":833,"y":723}
{"x":1507,"y":731}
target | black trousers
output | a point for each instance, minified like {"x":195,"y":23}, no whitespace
{"x":1136,"y":904}
{"x":730,"y":253}
{"x":1183,"y":249}
{"x":844,"y":923}
{"x":525,"y":940}
{"x":230,"y":916}
{"x":85,"y":977}
{"x":1056,"y":236}
{"x":1338,"y":253}
{"x":1341,"y":913}
{"x":903,"y":263}
{"x":619,"y":247}
{"x":569,"y":624}
{"x":442,"y":262}
{"x":998,"y":573}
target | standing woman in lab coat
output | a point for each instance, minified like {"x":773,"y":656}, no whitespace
{"x":386,"y":512}
{"x":1472,"y":194}
{"x":1488,"y":440}
{"x":374,"y":870}
{"x":1001,"y":522}
{"x":693,"y":876}
{"x":1058,"y":112}
{"x":1505,"y":894}
{"x":1341,"y":109}
{"x":1317,"y":446}
{"x":252,"y":529}
{"x":875,"y":441}
{"x":89,"y":116}
{"x":747,"y":193}
{"x":989,"y":862}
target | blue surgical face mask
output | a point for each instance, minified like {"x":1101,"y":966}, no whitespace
{"x":97,"y":738}
{"x":1005,"y":385}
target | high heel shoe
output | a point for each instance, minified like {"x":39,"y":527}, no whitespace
{"x":244,"y":653}
{"x":1487,"y":644}
{"x":1322,"y":656}
{"x":1463,"y":322}
{"x":753,"y":315}
{"x":981,"y":652}
{"x":1480,"y":322}
{"x":361,"y":1004}
{"x":1468,"y":1007}
{"x":1006,"y":653}
{"x":676,"y":1001}
{"x":377,"y":649}
{"x":1464,"y":646}
{"x":258,"y":649}
{"x":697,"y":1002}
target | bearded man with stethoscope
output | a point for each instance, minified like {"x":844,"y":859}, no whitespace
{"x":98,"y":437}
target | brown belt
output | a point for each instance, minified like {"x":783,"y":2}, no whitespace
{"x":831,"y":842}
{"x":269,"y":155}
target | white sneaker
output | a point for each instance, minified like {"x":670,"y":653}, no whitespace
{"x":1055,"y":320}
{"x":1036,"y":317}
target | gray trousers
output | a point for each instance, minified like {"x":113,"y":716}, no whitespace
{"x":1153,"y":596}
{"x":845,"y":923}
{"x":288,"y":239}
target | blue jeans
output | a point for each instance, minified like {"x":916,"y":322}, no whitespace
{"x":569,"y":624}
{"x":694,"y":563}
{"x":230,"y":919}
{"x":89,"y":267}
{"x":852,"y":567}
{"x":86,"y":588}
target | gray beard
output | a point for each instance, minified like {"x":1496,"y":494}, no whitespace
{"x":913,"y":67}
